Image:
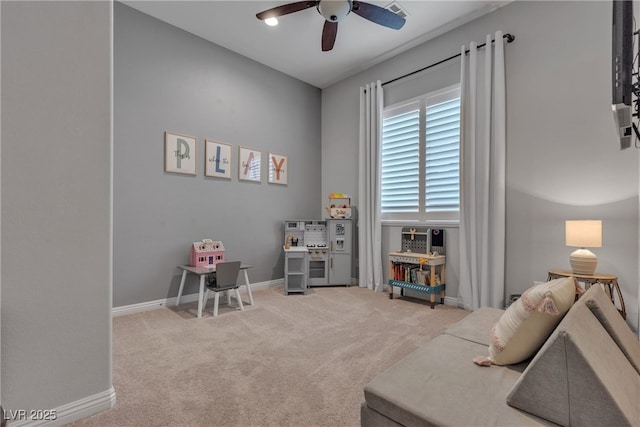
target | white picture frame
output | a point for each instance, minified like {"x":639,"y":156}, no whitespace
{"x":278,"y":169}
{"x":180,"y":153}
{"x":217,"y":163}
{"x":249,"y":164}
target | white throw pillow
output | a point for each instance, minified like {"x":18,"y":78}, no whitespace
{"x":528,"y":322}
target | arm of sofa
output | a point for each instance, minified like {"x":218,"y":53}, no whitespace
{"x":580,"y":377}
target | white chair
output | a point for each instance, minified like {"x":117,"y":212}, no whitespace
{"x":226,"y":280}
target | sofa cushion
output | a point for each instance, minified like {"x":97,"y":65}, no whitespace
{"x":580,"y":377}
{"x":604,"y":310}
{"x":436,"y":385}
{"x":476,"y":327}
{"x":529,"y":321}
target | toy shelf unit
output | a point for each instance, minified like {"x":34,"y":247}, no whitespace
{"x":419,"y":272}
{"x":206,"y":253}
{"x":295,"y":270}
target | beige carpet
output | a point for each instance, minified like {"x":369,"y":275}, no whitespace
{"x":300,"y":360}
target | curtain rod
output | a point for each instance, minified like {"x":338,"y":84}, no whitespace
{"x":508,"y":37}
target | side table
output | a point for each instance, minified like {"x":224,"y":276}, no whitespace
{"x":608,"y":281}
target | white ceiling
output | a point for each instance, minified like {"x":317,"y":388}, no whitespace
{"x":293,"y":47}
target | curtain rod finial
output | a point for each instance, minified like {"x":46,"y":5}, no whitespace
{"x":509,"y":37}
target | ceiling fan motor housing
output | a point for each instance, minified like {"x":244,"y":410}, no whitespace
{"x":333,"y":10}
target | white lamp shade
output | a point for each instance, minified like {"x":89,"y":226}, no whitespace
{"x":583,"y":233}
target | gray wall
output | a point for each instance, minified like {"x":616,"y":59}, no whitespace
{"x":55,"y":239}
{"x":168,"y":79}
{"x":563,"y":160}
{"x":55,"y":167}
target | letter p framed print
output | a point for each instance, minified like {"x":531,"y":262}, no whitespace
{"x":180,"y":153}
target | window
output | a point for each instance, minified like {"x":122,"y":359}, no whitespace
{"x":420,"y":158}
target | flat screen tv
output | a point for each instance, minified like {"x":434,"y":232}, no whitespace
{"x":622,"y":70}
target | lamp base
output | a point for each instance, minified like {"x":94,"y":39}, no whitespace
{"x":583,"y":261}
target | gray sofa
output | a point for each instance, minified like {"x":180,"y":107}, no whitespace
{"x":586,"y":374}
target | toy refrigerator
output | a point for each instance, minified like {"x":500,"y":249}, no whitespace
{"x":340,"y":251}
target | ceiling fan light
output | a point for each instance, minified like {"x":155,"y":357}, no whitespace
{"x":333,"y":10}
{"x":272,"y":22}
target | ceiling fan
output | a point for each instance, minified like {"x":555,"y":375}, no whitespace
{"x":333,"y":11}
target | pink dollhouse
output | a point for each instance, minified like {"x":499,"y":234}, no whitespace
{"x":206,"y":253}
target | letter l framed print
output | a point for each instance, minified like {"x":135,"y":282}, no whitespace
{"x":218,"y":162}
{"x":180,"y":152}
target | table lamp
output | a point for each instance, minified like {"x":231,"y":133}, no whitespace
{"x":583,"y":234}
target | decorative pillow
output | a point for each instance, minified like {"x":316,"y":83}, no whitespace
{"x":529,"y":321}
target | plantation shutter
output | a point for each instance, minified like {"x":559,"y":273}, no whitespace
{"x":400,"y":162}
{"x":442,"y":178}
{"x":420,"y":158}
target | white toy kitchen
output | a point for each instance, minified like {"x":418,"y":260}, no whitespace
{"x":317,"y":253}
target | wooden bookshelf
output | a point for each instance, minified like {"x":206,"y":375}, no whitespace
{"x":419,"y":272}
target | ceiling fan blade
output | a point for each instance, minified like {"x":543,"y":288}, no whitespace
{"x":329,"y":32}
{"x":378,"y":14}
{"x":285,"y":9}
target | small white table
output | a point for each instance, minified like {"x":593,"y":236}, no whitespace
{"x":203,"y":272}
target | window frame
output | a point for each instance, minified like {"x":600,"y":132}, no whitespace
{"x":422,"y":102}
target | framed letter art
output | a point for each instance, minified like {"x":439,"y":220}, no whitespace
{"x":278,"y":169}
{"x":218,"y":159}
{"x":249,"y":165}
{"x":180,"y":153}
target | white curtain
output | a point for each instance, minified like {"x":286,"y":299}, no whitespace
{"x":482,"y":198}
{"x":369,"y":226}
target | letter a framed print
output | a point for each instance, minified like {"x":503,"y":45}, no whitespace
{"x":180,"y":152}
{"x":249,"y":165}
{"x":278,"y":169}
{"x":218,"y":161}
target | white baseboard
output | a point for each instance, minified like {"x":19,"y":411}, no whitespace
{"x":451,"y":301}
{"x":70,"y":412}
{"x":169,"y":302}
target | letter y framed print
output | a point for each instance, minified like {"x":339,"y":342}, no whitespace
{"x":180,"y":152}
{"x":218,"y":159}
{"x":249,"y":165}
{"x":278,"y":169}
